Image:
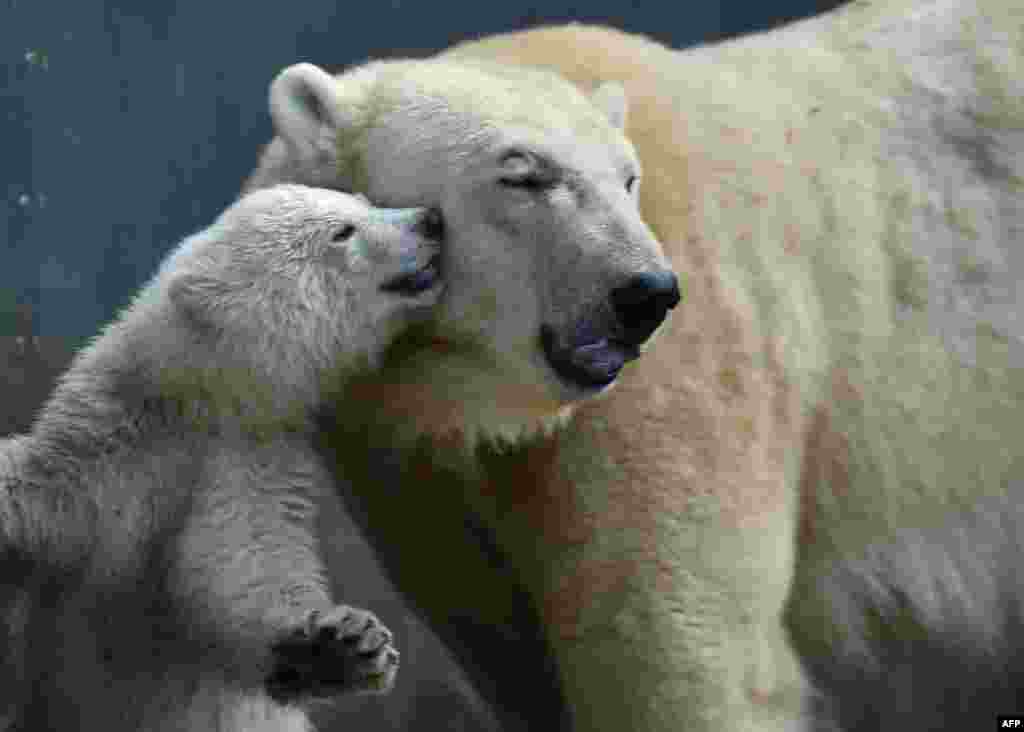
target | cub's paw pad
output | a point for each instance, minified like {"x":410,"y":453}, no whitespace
{"x":344,"y":651}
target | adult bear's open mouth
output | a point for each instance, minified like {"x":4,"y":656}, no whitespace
{"x":416,"y":282}
{"x":588,"y":365}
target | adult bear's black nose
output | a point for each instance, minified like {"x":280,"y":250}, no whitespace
{"x":643,"y":302}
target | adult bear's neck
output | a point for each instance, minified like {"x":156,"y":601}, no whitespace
{"x":455,"y":393}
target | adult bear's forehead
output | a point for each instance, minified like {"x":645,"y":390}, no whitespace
{"x":489,"y":95}
{"x":570,"y":152}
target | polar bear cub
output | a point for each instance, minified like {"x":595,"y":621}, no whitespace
{"x":171,"y":484}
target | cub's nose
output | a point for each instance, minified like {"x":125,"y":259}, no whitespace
{"x":643,"y":303}
{"x":430,"y":224}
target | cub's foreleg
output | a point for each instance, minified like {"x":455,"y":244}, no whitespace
{"x":252,"y":577}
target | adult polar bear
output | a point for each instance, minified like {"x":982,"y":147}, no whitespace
{"x":840,"y":195}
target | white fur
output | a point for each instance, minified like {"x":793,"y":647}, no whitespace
{"x":436,"y":133}
{"x":171,"y":478}
{"x":845,"y":196}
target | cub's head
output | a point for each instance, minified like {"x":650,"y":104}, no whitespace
{"x":554,"y":283}
{"x":304,"y":280}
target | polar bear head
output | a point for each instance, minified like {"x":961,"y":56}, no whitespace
{"x":554,"y":282}
{"x":291,"y":283}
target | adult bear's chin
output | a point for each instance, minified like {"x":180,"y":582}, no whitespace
{"x":590,"y":365}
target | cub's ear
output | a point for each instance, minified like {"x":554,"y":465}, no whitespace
{"x":610,"y":98}
{"x":303,"y":100}
{"x":198,"y":297}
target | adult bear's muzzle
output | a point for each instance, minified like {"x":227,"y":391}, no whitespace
{"x":591,"y":355}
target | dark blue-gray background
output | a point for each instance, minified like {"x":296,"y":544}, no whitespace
{"x":126,"y":125}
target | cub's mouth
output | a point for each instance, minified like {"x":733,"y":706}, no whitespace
{"x":417,"y":282}
{"x":591,"y":363}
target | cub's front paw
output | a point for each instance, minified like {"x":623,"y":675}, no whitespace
{"x":344,"y":651}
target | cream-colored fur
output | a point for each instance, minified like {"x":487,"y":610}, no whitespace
{"x":841,"y":196}
{"x":175,"y":454}
{"x":443,"y":132}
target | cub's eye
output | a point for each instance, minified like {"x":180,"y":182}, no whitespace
{"x":630,"y":183}
{"x":343,"y":234}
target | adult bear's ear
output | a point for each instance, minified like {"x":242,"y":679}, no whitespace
{"x":303,"y":100}
{"x":610,"y":98}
